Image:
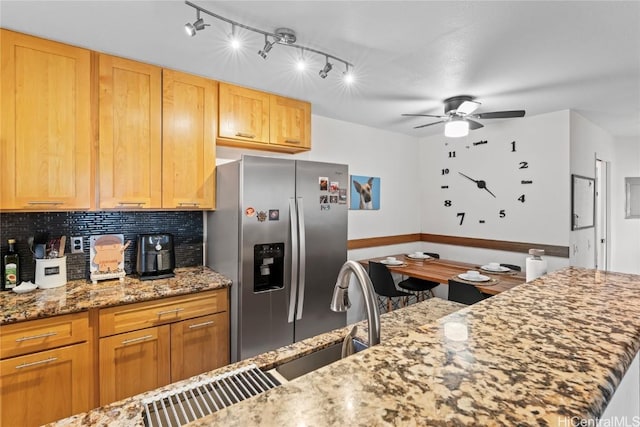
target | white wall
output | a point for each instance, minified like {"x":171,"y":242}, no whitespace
{"x":542,"y":141}
{"x":587,"y":142}
{"x":625,"y":233}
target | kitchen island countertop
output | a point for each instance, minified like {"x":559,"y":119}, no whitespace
{"x":548,"y":352}
{"x":81,"y":295}
{"x":128,"y":412}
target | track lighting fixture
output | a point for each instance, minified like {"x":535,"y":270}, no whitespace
{"x":267,"y":47}
{"x":325,"y":70}
{"x":347,"y":76}
{"x":281,"y":36}
{"x":197,"y":25}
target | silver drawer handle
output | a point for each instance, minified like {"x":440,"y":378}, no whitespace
{"x":131,"y":203}
{"x":194,"y":204}
{"x":35,"y":337}
{"x":132,"y":340}
{"x":199,"y":325}
{"x":44,"y":202}
{"x":39,"y":362}
{"x":292,"y":141}
{"x":245,"y":135}
{"x":175,"y":310}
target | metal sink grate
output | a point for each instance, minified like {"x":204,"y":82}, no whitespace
{"x":186,"y":404}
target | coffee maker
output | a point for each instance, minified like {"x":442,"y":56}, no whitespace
{"x":155,"y":256}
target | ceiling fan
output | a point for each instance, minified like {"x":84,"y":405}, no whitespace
{"x":458,"y":116}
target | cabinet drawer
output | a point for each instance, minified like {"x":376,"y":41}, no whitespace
{"x":126,"y":318}
{"x":42,"y":334}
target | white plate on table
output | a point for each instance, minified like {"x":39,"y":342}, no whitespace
{"x":388,"y":262}
{"x":498,"y":269}
{"x":422,"y":256}
{"x":478,"y":278}
{"x":25,"y":287}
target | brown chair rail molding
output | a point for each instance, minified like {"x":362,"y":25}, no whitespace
{"x":500,"y":245}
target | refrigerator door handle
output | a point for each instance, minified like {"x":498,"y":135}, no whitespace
{"x":303,"y":258}
{"x":293,"y":216}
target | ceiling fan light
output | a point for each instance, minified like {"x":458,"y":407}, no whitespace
{"x":456,"y":128}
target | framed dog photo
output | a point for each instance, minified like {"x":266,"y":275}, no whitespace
{"x":365,"y":193}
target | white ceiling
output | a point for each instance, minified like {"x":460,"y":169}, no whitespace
{"x":540,"y":56}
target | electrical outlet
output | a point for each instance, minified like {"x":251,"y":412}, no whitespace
{"x":76,"y":245}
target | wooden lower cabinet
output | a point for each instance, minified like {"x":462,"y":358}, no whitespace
{"x":134,"y":362}
{"x":150,"y":344}
{"x":198,"y":345}
{"x":45,"y":386}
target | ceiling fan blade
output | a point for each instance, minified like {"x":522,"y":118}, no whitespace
{"x":467,"y":107}
{"x":428,"y":124}
{"x":422,"y":115}
{"x":500,"y":114}
{"x":473,"y":125}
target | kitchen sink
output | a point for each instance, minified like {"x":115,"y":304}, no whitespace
{"x":316,"y":360}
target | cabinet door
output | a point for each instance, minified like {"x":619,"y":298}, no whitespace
{"x":45,"y":386}
{"x":290,"y":122}
{"x":189,"y":151}
{"x":199,"y":345}
{"x":45,"y":125}
{"x":130,"y":155}
{"x":134,"y":362}
{"x":244,"y":114}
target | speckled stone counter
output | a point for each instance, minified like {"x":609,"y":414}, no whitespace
{"x":541,"y":354}
{"x":79,"y":295}
{"x":128,"y":412}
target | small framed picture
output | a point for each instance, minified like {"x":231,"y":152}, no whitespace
{"x":365,"y":193}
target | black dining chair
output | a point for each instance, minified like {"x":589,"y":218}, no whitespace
{"x":512,"y":267}
{"x":385,"y":287}
{"x":420,"y":286}
{"x":464,"y":293}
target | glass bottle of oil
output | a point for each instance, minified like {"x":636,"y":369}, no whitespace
{"x":11,"y":264}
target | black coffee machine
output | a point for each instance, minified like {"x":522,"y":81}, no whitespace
{"x":155,"y":257}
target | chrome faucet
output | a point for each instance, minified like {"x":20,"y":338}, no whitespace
{"x":340,"y":301}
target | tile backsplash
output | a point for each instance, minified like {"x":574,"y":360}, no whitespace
{"x":186,"y":228}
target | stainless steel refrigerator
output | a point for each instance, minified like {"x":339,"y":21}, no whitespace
{"x":280,"y":233}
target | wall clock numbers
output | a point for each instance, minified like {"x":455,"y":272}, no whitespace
{"x":482,"y":182}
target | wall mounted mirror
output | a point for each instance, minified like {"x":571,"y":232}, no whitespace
{"x":582,"y":202}
{"x":632,"y":190}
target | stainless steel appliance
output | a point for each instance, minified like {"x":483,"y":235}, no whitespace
{"x":155,"y":256}
{"x":280,"y":233}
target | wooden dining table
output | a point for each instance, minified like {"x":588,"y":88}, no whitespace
{"x":441,"y":270}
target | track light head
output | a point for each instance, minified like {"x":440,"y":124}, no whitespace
{"x":348,"y":75}
{"x":197,"y":25}
{"x":325,"y":70}
{"x":267,"y":47}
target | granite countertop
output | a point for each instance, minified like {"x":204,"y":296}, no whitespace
{"x":80,"y":295}
{"x":540,"y":354}
{"x":128,"y":412}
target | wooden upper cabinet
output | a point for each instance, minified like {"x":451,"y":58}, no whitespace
{"x":290,"y":122}
{"x":189,"y":148}
{"x":130,"y":153}
{"x":45,"y":125}
{"x":244,"y":114}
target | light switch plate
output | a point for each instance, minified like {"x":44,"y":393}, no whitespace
{"x":76,"y":245}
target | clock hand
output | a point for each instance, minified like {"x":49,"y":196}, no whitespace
{"x":468,"y":177}
{"x":490,"y":192}
{"x":480,"y":183}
